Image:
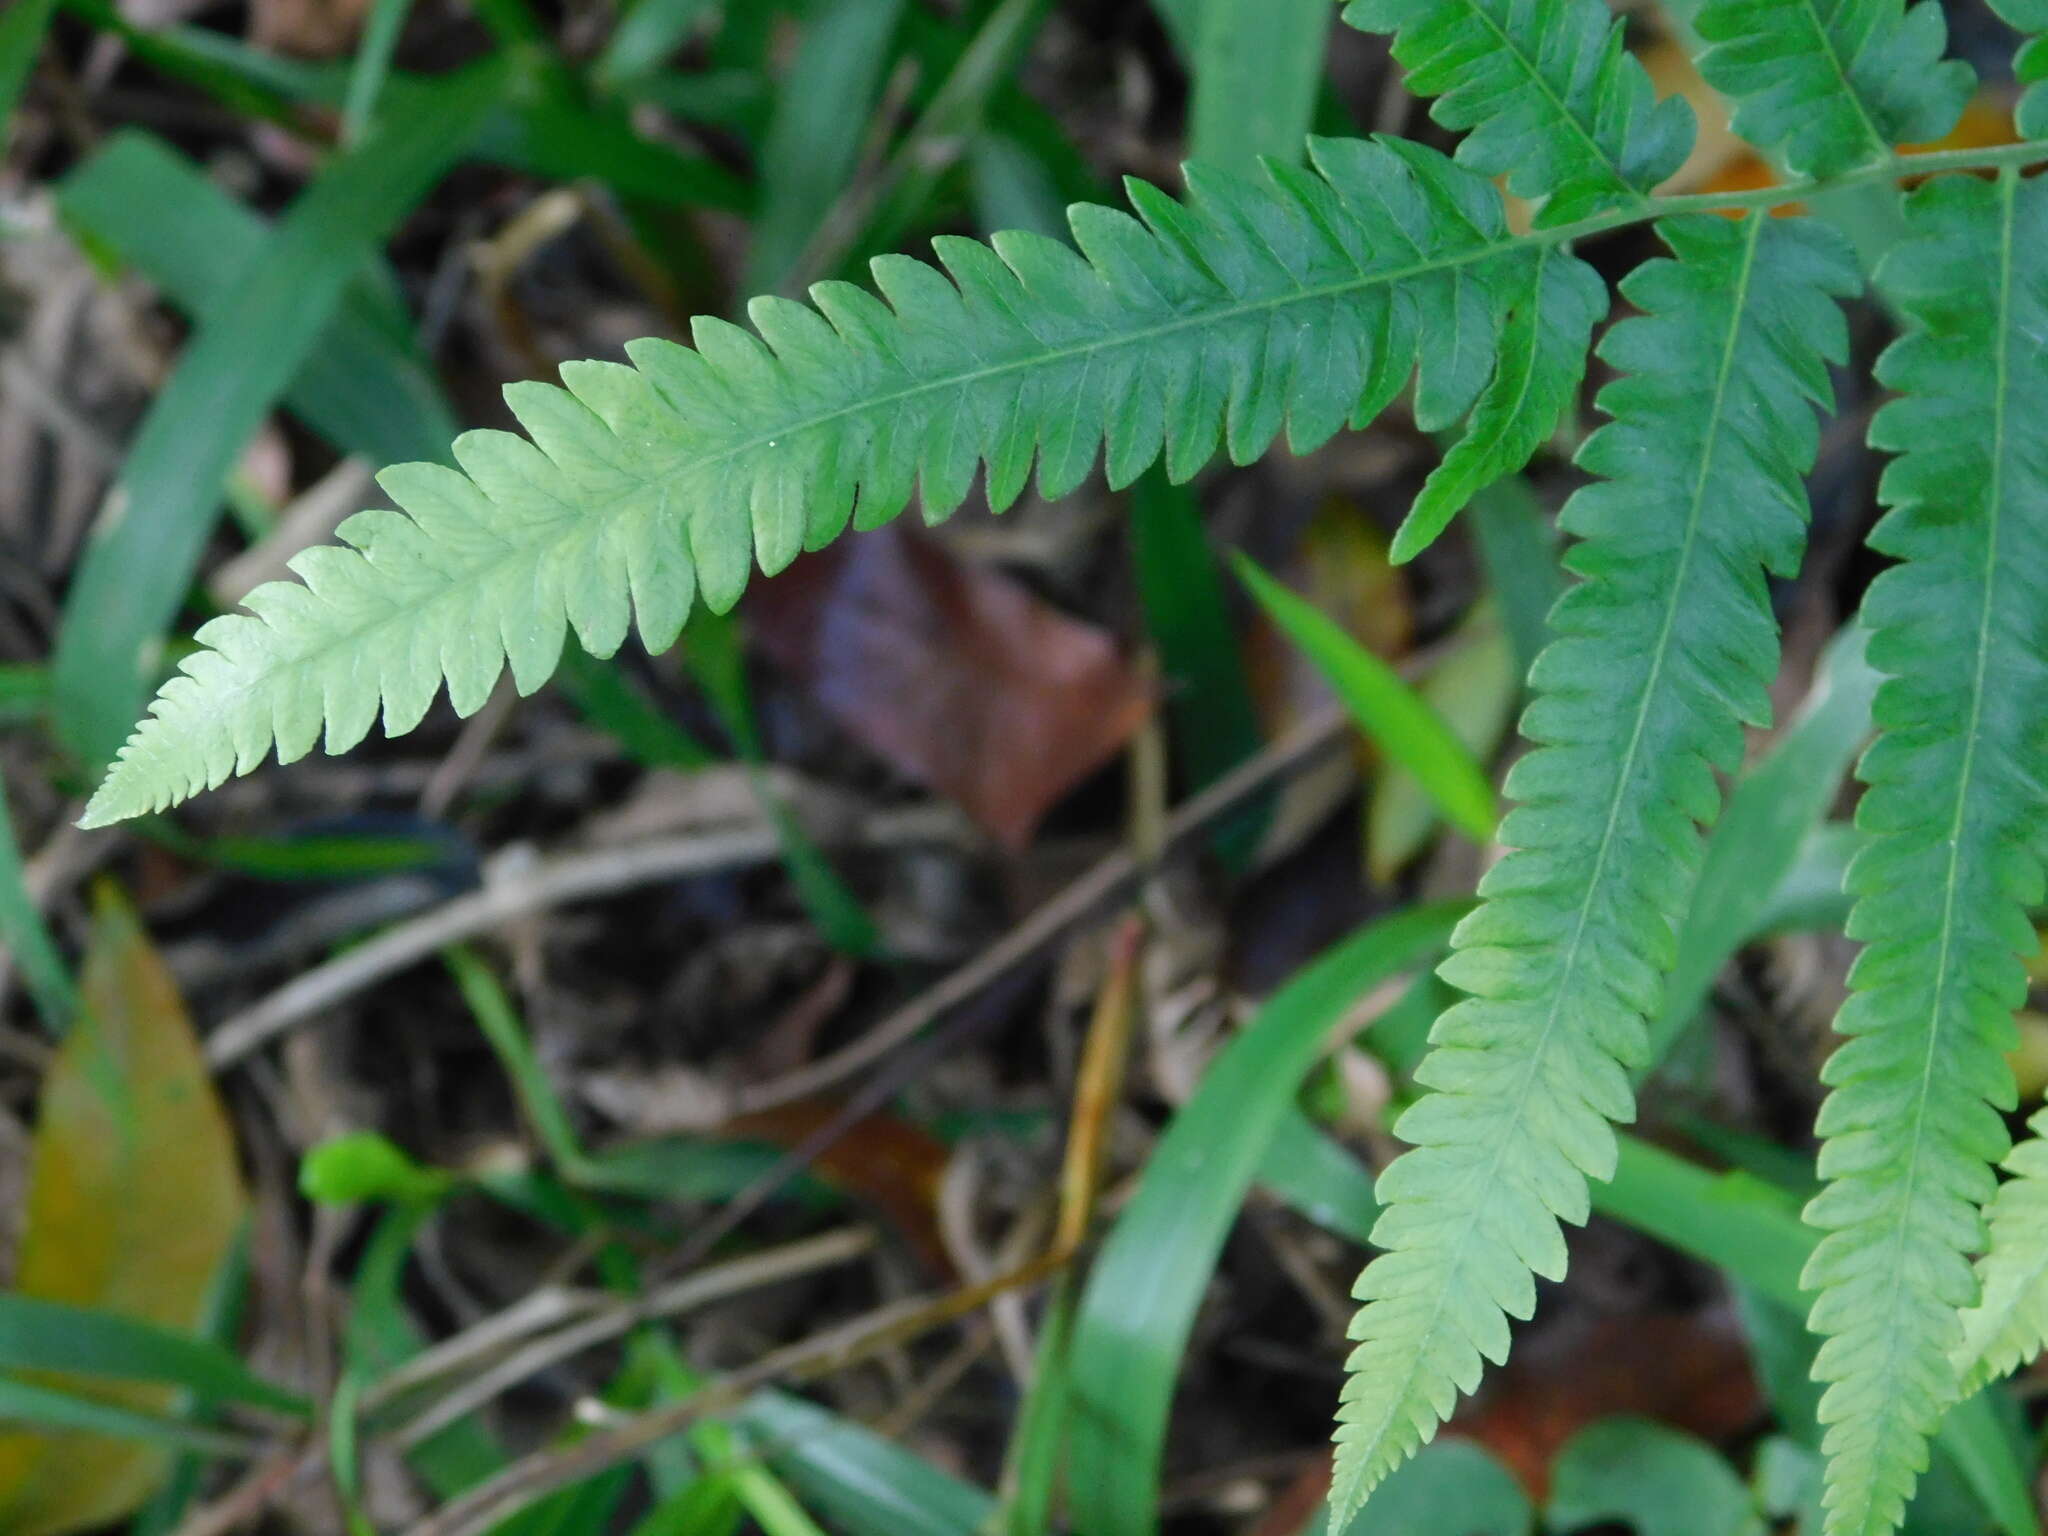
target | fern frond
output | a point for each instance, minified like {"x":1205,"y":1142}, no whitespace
{"x":1830,"y":84}
{"x":1551,"y":96}
{"x":1955,"y":808}
{"x":2030,"y":64}
{"x":1299,"y":301}
{"x":2009,"y":1324}
{"x":1665,"y":648}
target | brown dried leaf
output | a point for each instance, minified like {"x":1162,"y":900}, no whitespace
{"x":958,"y":675}
{"x":135,"y":1197}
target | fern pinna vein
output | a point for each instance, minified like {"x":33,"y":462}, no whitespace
{"x":1664,"y":649}
{"x":1955,"y":799}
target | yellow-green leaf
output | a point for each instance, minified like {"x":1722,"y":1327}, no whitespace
{"x":134,"y":1200}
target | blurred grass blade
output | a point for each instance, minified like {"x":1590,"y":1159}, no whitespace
{"x":1319,"y":1177}
{"x":862,"y":1484}
{"x":373,"y":62}
{"x":1146,"y":1283}
{"x":135,"y":1200}
{"x":22,"y":26}
{"x":53,"y":1336}
{"x":607,"y":698}
{"x":1758,"y":839}
{"x":37,"y":1408}
{"x":1258,"y":65}
{"x":1038,"y":1448}
{"x":712,"y":648}
{"x":645,"y":36}
{"x":1403,"y":727}
{"x":1208,"y":697}
{"x":141,"y":561}
{"x":1473,"y":689}
{"x":24,"y":692}
{"x":364,"y":385}
{"x":1518,"y":551}
{"x":815,"y":137}
{"x":26,"y":938}
{"x":502,"y":1027}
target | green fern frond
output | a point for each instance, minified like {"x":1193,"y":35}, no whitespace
{"x":1830,"y":84}
{"x":1551,"y":96}
{"x":1955,"y":808}
{"x":1298,"y":302}
{"x":1665,"y":648}
{"x":1535,"y":382}
{"x":2009,"y":1324}
{"x":2030,"y":64}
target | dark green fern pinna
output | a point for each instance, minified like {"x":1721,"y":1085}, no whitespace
{"x":1300,"y":303}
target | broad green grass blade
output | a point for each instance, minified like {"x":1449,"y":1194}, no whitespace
{"x":27,"y":938}
{"x":646,"y":35}
{"x":1038,"y":1447}
{"x":1319,"y":1177}
{"x":135,"y":573}
{"x":1386,"y":709}
{"x":45,"y":1408}
{"x":1258,"y":64}
{"x":819,"y":126}
{"x":363,"y":386}
{"x":53,"y":1336}
{"x":1147,"y":1281}
{"x":860,"y":1483}
{"x":22,"y":27}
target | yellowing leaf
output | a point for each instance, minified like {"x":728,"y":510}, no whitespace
{"x":134,"y":1200}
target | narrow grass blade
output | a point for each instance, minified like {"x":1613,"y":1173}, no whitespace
{"x":1757,"y":841}
{"x":53,"y":1336}
{"x":814,"y":140}
{"x":1142,"y":1293}
{"x":47,"y":1409}
{"x":27,"y":938}
{"x":373,"y":63}
{"x":645,"y":36}
{"x":129,"y":585}
{"x":1386,"y":708}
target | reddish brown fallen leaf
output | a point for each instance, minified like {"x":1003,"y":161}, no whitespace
{"x":958,"y":675}
{"x":1690,"y":1370}
{"x":135,"y":1197}
{"x":882,"y":1160}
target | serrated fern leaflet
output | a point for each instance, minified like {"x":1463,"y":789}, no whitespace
{"x":1297,"y":301}
{"x":1552,"y":98}
{"x":2009,"y":1323}
{"x":1830,"y":84}
{"x":2030,"y":64}
{"x":1955,"y":803}
{"x":1665,"y":647}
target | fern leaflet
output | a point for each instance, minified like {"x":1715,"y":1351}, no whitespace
{"x":2030,"y":64}
{"x":1665,"y":647}
{"x":1831,"y":84}
{"x":1955,"y":805}
{"x":1552,"y":97}
{"x":2009,"y":1324}
{"x":1298,"y":301}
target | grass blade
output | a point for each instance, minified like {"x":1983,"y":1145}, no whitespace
{"x":27,"y":937}
{"x":47,"y":1409}
{"x":21,"y":39}
{"x":1386,"y":709}
{"x":373,"y":63}
{"x":1140,"y":1302}
{"x":1257,"y":69}
{"x":861,"y":1483}
{"x":135,"y":573}
{"x":54,"y":1336}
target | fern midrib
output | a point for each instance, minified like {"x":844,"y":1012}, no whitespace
{"x":1573,"y":952}
{"x":1944,"y":968}
{"x":1841,"y":67}
{"x":1507,"y":43}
